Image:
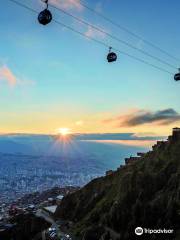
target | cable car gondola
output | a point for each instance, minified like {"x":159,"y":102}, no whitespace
{"x":111,"y":57}
{"x":177,"y":76}
{"x":45,"y":16}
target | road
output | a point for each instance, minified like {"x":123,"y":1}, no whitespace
{"x":50,"y":220}
{"x":44,"y":235}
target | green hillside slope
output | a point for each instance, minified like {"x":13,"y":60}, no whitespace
{"x":145,"y":193}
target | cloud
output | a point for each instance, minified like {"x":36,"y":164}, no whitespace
{"x":91,"y":32}
{"x":145,"y":134}
{"x":7,"y":75}
{"x":115,"y":136}
{"x":140,"y":117}
{"x":68,"y":4}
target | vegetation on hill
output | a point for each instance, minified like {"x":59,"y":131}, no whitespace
{"x":143,"y":193}
{"x":25,"y":227}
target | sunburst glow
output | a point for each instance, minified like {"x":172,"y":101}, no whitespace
{"x":64,"y":131}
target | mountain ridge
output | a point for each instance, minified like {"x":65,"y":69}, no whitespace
{"x":145,"y":193}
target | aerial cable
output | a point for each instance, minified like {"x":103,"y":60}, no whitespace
{"x":94,"y":39}
{"x":108,"y":19}
{"x":112,"y":36}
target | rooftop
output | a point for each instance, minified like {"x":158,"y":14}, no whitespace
{"x":51,"y":209}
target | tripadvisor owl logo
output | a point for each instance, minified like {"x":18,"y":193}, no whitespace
{"x":139,"y":231}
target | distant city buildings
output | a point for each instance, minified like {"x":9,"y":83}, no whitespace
{"x":23,"y":174}
{"x":37,"y":204}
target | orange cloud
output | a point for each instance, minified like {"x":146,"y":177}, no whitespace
{"x":7,"y":75}
{"x":68,"y":4}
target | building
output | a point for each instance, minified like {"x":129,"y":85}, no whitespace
{"x":50,"y":200}
{"x":109,"y":172}
{"x":141,"y":154}
{"x":6,"y":230}
{"x":159,"y":144}
{"x":176,"y":134}
{"x":50,"y":210}
{"x":131,"y":160}
{"x":120,"y":167}
{"x":59,"y":199}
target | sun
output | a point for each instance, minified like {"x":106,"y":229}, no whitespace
{"x":64,"y":131}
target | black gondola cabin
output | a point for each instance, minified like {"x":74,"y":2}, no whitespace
{"x":177,"y":77}
{"x":111,"y":57}
{"x":45,"y":17}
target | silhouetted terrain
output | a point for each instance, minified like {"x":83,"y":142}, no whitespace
{"x":143,"y":193}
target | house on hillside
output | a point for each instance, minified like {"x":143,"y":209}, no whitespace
{"x":159,"y":144}
{"x":131,"y":160}
{"x":175,"y":135}
{"x":109,"y":172}
{"x":49,"y":211}
{"x":59,"y":199}
{"x":141,"y":154}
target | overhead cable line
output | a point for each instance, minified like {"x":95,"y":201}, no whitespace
{"x":108,"y":19}
{"x":112,"y":36}
{"x":94,"y":39}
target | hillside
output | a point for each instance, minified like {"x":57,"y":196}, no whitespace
{"x":145,"y":193}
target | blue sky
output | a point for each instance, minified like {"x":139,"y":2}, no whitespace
{"x":52,"y":78}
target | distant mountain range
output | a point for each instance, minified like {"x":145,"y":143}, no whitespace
{"x":83,"y":136}
{"x":52,"y":144}
{"x":78,"y":152}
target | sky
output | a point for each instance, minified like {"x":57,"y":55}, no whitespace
{"x":52,"y":78}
